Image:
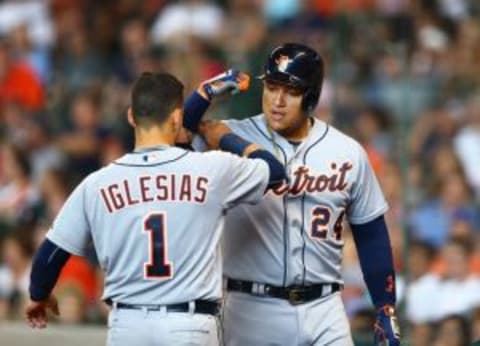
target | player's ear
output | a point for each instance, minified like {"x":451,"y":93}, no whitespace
{"x":130,"y":118}
{"x":177,"y":118}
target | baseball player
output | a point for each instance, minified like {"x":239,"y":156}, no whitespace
{"x":154,"y":217}
{"x":282,"y":260}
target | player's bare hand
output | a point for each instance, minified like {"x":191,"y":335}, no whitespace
{"x":232,"y":81}
{"x":212,"y":131}
{"x":36,"y":312}
{"x":184,"y":136}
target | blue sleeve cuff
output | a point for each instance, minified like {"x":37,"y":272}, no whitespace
{"x":194,"y":107}
{"x":236,"y":144}
{"x":233,"y":144}
{"x":277,"y":171}
{"x":46,"y":267}
{"x":375,"y":254}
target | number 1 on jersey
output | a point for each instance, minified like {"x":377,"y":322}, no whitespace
{"x":158,"y":266}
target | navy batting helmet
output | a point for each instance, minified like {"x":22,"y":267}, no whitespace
{"x":299,"y":66}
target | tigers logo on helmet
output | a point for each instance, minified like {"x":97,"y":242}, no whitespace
{"x":283,"y":61}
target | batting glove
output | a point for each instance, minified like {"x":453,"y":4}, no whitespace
{"x":232,"y":81}
{"x":387,"y":331}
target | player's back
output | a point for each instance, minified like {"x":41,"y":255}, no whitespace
{"x":155,"y":217}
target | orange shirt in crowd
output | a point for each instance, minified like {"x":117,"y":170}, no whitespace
{"x":22,"y":86}
{"x":328,"y":8}
{"x":80,"y":273}
{"x":438,"y":266}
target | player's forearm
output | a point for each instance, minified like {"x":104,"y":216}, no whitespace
{"x":194,"y":108}
{"x":375,"y":253}
{"x":46,"y":267}
{"x":237,"y":145}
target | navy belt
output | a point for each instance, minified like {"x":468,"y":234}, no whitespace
{"x":201,"y":307}
{"x":294,"y":294}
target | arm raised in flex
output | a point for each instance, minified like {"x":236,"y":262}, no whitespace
{"x":231,"y":81}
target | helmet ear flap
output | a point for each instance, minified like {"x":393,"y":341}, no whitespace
{"x":310,"y":100}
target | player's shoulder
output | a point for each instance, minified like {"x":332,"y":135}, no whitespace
{"x":95,"y":177}
{"x":215,"y":156}
{"x":340,"y":141}
{"x":254,"y":124}
{"x":222,"y":159}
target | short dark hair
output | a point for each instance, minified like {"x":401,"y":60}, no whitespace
{"x":154,"y":97}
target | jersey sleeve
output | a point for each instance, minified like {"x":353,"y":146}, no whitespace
{"x":198,"y":143}
{"x":367,"y":201}
{"x":70,"y":229}
{"x":244,"y":180}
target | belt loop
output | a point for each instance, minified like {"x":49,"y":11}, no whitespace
{"x":145,"y":311}
{"x":191,"y":307}
{"x":254,"y":288}
{"x":114,"y":305}
{"x":163,"y":310}
{"x":258,"y":289}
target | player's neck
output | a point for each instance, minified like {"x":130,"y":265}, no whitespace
{"x":298,"y":133}
{"x":153,"y":138}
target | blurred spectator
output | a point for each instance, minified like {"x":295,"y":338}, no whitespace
{"x":361,"y":326}
{"x":17,"y":251}
{"x":391,"y":182}
{"x":17,"y":194}
{"x":422,"y":284}
{"x":457,"y":278}
{"x":79,"y":65}
{"x":467,"y":144}
{"x":18,"y":82}
{"x":188,"y":18}
{"x":245,"y":44}
{"x":135,"y":45}
{"x":372,"y":126}
{"x":277,"y":11}
{"x":54,"y":189}
{"x":453,"y":330}
{"x":72,"y":304}
{"x":35,"y":14}
{"x":420,"y":334}
{"x":432,"y":131}
{"x":23,"y":49}
{"x":44,"y":155}
{"x":82,"y":142}
{"x":76,"y":290}
{"x":454,"y":9}
{"x":475,"y":327}
{"x":355,"y":293}
{"x":433,"y":221}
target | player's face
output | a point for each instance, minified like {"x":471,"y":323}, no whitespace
{"x":282,"y":108}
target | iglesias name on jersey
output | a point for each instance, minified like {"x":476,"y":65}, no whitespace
{"x":155,"y":219}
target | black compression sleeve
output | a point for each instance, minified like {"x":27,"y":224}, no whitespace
{"x":373,"y":247}
{"x":46,"y":267}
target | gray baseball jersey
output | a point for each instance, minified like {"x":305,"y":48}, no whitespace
{"x":294,"y":236}
{"x":155,"y":218}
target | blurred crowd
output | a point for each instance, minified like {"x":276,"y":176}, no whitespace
{"x":402,"y":77}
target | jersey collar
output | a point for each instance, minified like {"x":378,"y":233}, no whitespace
{"x":150,"y":149}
